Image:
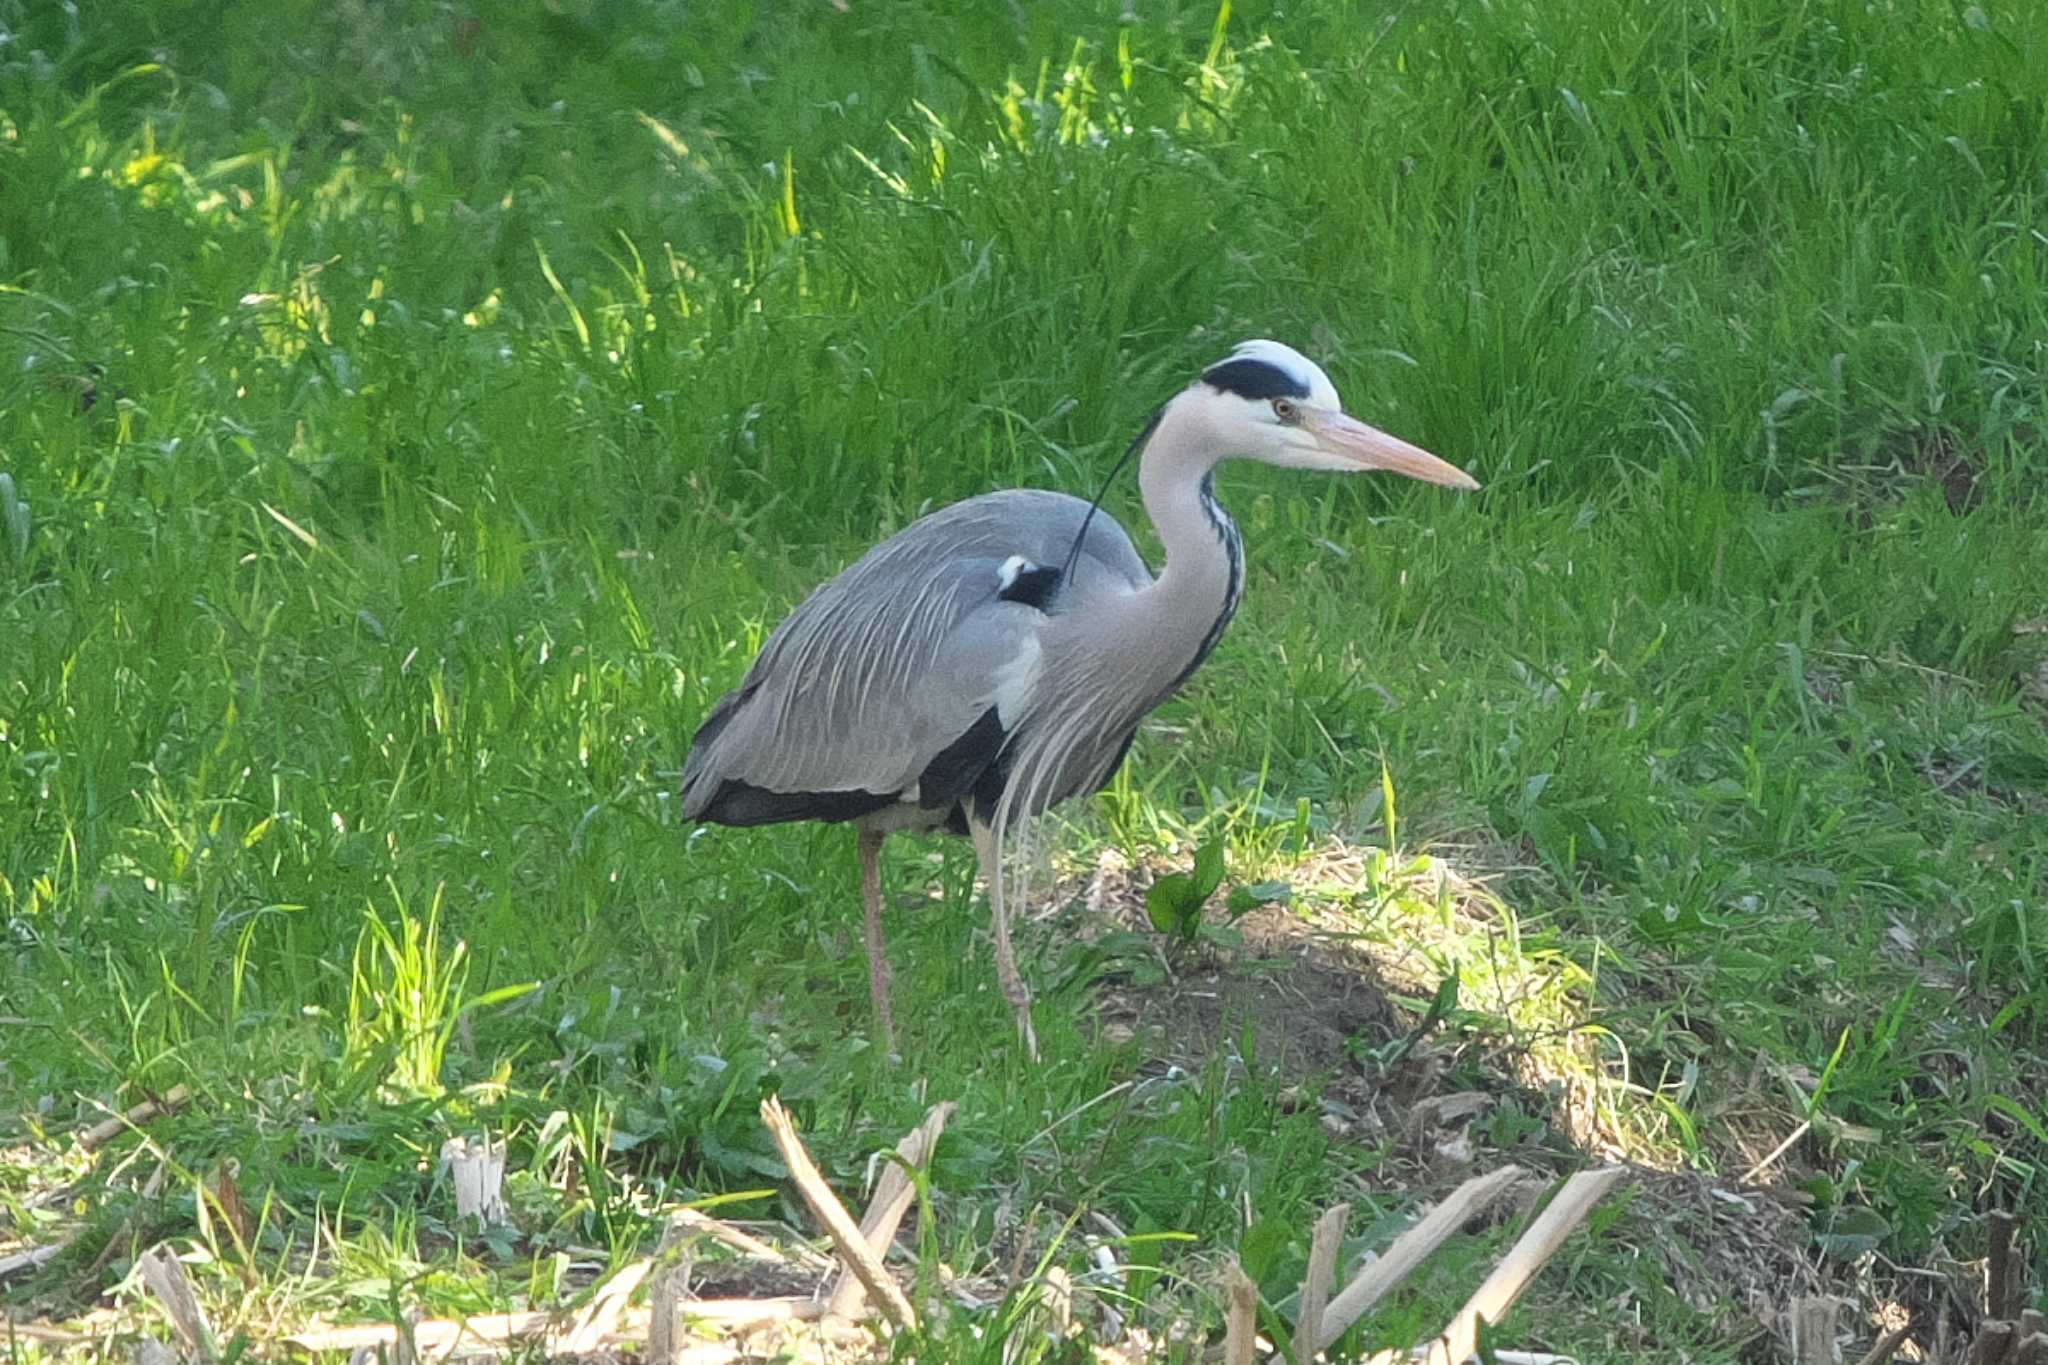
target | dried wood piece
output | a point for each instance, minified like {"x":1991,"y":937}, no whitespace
{"x":1241,"y":1315}
{"x":893,"y":1193}
{"x":1409,"y":1250}
{"x":1535,"y":1246}
{"x":663,"y":1344}
{"x":671,"y":1278}
{"x":1992,"y":1342}
{"x":1813,"y":1330}
{"x":1057,"y":1294}
{"x":41,"y":1332}
{"x":492,"y":1329}
{"x":599,"y":1319}
{"x":406,"y":1349}
{"x":2031,"y":1349}
{"x":478,"y":1172}
{"x":748,"y":1312}
{"x":1887,"y":1346}
{"x":33,"y":1257}
{"x":1317,"y":1283}
{"x":165,"y":1276}
{"x":739,"y":1239}
{"x":2001,"y":1292}
{"x":105,"y":1131}
{"x":1755,"y":1173}
{"x":227,"y":1197}
{"x":839,"y":1224}
{"x":437,"y":1335}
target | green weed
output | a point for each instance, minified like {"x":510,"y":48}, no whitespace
{"x":424,"y":416}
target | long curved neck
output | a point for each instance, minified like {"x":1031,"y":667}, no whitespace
{"x":1197,"y":591}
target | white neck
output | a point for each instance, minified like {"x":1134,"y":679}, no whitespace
{"x":1172,"y":471}
{"x":1126,"y":652}
{"x":1170,"y":624}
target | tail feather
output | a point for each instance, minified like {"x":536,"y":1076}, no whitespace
{"x":700,"y":784}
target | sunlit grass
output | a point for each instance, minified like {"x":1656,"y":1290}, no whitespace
{"x":407,"y":429}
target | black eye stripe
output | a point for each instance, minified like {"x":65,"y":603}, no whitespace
{"x":1255,"y":379}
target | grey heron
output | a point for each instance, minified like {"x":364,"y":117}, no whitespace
{"x":996,"y":657}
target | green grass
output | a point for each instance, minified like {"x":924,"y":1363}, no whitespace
{"x":420,"y":423}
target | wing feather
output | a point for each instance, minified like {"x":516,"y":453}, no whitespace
{"x":897,"y":663}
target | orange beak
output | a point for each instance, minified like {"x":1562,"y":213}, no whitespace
{"x":1371,"y":448}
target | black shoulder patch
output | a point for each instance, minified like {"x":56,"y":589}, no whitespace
{"x":1249,"y":378}
{"x":743,"y":803}
{"x":1033,"y":586}
{"x":958,"y":766}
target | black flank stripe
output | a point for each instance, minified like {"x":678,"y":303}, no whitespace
{"x":1233,"y":549}
{"x":953,"y":773}
{"x":742,"y":803}
{"x":1123,"y":751}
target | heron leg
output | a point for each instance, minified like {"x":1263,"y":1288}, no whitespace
{"x":878,"y":955}
{"x":1012,"y":982}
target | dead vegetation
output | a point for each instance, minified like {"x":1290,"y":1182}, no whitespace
{"x":1326,"y":998}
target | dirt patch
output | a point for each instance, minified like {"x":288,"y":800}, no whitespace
{"x":750,"y":1279}
{"x":1722,"y":1248}
{"x":1952,"y":776}
{"x":1910,"y":458}
{"x":1941,"y":456}
{"x":1312,"y":986}
{"x":1317,"y":1006}
{"x":1303,"y":1008}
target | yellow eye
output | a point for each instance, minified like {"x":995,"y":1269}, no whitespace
{"x":1284,"y":409}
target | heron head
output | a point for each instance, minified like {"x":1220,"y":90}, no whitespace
{"x":1275,"y":404}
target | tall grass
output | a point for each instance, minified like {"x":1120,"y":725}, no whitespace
{"x":418,"y":417}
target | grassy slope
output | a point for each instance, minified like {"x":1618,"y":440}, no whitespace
{"x":456,"y":432}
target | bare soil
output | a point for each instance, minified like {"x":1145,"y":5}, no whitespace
{"x":1320,"y":1017}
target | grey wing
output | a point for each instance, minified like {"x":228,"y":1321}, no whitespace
{"x":897,"y":681}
